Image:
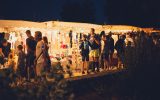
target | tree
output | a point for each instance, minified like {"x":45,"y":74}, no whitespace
{"x":133,"y":12}
{"x":142,"y":62}
{"x":51,"y":86}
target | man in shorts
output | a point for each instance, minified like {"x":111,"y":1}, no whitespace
{"x":95,"y":47}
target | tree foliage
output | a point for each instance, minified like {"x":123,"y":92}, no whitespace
{"x":52,"y":86}
{"x":142,"y":63}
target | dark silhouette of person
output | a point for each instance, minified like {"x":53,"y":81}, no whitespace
{"x":30,"y":57}
{"x":120,"y":47}
{"x":70,"y":36}
{"x":111,"y":48}
{"x":6,"y":48}
{"x":94,"y":40}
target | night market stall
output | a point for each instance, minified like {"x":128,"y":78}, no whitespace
{"x":64,"y":37}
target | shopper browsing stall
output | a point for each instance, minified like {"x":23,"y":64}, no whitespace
{"x":31,"y":47}
{"x":6,"y":48}
{"x":120,"y":47}
{"x":40,"y":54}
{"x":1,"y":56}
{"x":111,"y":49}
{"x":84,"y":46}
{"x":21,"y":61}
{"x":95,"y":46}
{"x":47,"y":57}
{"x":104,"y":56}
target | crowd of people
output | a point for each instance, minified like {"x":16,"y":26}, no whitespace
{"x":97,"y":52}
{"x":97,"y":49}
{"x":31,"y":64}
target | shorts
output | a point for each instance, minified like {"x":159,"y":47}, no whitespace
{"x":85,"y":58}
{"x":94,"y":53}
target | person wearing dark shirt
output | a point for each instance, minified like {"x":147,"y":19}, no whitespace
{"x":104,"y":56}
{"x":6,"y":48}
{"x":1,"y":56}
{"x":30,"y":57}
{"x":84,"y":47}
{"x":111,"y":48}
{"x":95,"y":46}
{"x":120,"y":47}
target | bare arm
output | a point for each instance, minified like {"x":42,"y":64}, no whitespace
{"x":97,"y":41}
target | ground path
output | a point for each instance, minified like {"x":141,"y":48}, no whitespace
{"x":79,"y":76}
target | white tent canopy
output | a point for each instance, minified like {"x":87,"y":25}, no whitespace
{"x":19,"y":23}
{"x":120,"y":28}
{"x":56,"y":31}
{"x":14,"y":25}
{"x":76,"y":27}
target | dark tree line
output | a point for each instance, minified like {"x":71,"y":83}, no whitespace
{"x":142,"y":13}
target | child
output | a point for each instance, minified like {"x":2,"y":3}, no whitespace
{"x":21,"y":61}
{"x":84,"y":46}
{"x":11,"y":63}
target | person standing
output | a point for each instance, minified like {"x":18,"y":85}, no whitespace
{"x":105,"y":51}
{"x":111,"y":49}
{"x":1,"y":57}
{"x":30,"y":57}
{"x":95,"y":47}
{"x":130,"y":39}
{"x":47,"y":57}
{"x":84,"y":46}
{"x":70,"y":36}
{"x":21,"y":61}
{"x":120,"y":47}
{"x":6,"y":48}
{"x":40,"y":55}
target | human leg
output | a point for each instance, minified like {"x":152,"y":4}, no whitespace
{"x":87,"y":63}
{"x":39,"y":69}
{"x":96,"y":59}
{"x":111,"y":59}
{"x":83,"y":64}
{"x":92,"y":63}
{"x":106,"y":61}
{"x":101,"y":61}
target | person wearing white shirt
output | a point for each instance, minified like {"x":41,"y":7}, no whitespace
{"x":39,"y":54}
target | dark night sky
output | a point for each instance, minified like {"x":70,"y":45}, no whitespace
{"x":143,"y":13}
